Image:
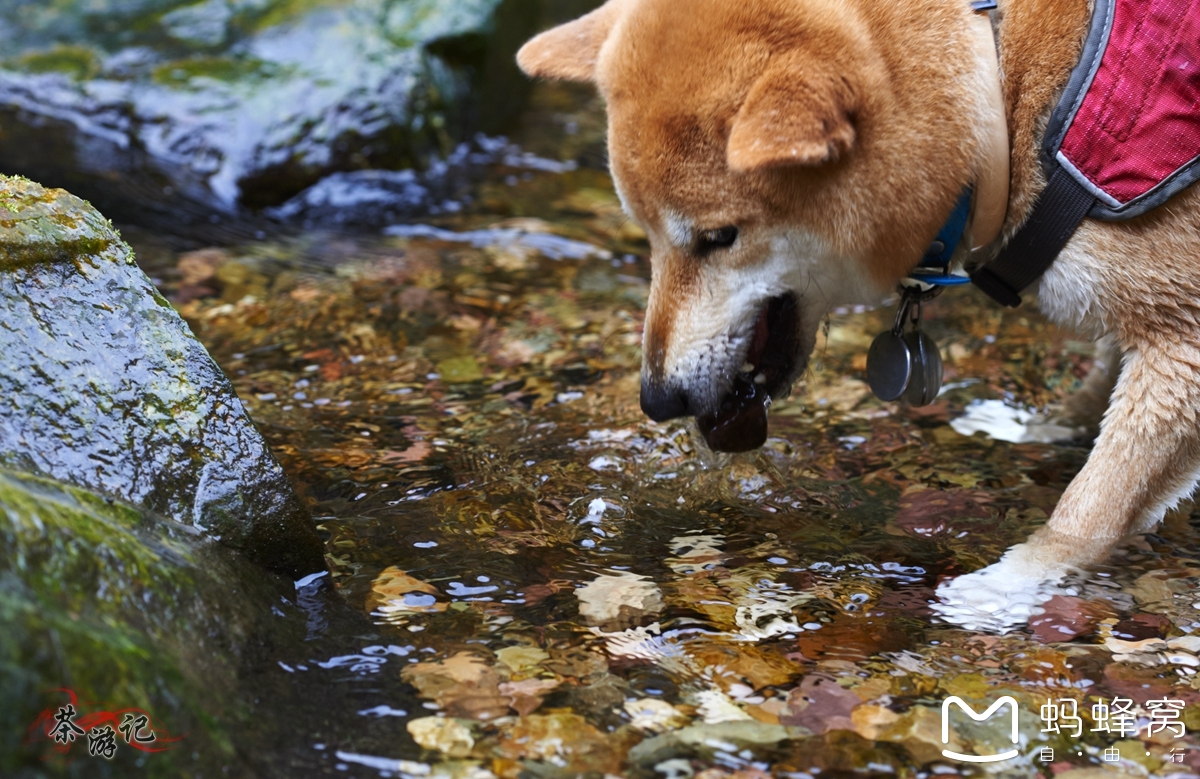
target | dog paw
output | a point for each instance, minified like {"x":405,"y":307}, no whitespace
{"x":1003,"y":596}
{"x":1005,"y":422}
{"x":1076,"y":419}
{"x":1050,"y":429}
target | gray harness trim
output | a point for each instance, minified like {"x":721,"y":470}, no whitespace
{"x":1069,"y":197}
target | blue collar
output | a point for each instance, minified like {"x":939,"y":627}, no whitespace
{"x":934,"y":267}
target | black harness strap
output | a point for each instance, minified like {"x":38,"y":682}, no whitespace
{"x":1054,"y":218}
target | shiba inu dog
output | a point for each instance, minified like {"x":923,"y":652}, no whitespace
{"x":786,"y":156}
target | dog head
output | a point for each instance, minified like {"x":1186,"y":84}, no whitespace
{"x":783,"y":157}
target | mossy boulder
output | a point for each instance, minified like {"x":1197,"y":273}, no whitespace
{"x":222,"y":103}
{"x":114,"y":609}
{"x":103,"y":386}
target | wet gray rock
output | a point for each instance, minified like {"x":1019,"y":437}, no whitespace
{"x":225,"y":103}
{"x":373,"y":198}
{"x":103,"y":386}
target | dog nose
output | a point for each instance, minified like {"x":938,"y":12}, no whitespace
{"x":661,"y":402}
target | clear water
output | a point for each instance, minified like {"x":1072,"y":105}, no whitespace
{"x":571,"y":590}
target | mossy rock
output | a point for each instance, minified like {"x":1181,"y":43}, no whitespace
{"x":127,"y":611}
{"x":103,"y":386}
{"x":288,"y":91}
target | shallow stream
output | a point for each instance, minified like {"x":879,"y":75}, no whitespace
{"x":532,"y":579}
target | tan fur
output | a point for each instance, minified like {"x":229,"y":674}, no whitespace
{"x":1039,"y":44}
{"x":800,"y":111}
{"x":841,"y":132}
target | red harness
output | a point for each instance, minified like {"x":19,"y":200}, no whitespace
{"x":1123,"y":139}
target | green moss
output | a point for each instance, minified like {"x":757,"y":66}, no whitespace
{"x":227,"y":69}
{"x":79,"y":62}
{"x":18,"y":192}
{"x":48,"y":226}
{"x":97,"y":597}
{"x":93,"y":545}
{"x":41,"y":254}
{"x":282,"y":11}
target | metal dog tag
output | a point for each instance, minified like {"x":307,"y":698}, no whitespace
{"x":889,"y":366}
{"x":926,"y":380}
{"x":906,"y":365}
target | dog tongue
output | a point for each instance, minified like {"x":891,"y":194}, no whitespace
{"x":741,"y":423}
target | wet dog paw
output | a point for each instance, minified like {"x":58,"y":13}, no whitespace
{"x":1005,"y":422}
{"x":1003,"y":596}
{"x":1055,"y":428}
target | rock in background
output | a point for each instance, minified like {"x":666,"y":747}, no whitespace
{"x":103,"y":386}
{"x":169,"y":112}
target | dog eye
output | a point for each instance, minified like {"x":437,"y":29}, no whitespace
{"x":721,"y":238}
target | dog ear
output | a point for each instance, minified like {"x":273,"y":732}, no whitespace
{"x":570,"y":51}
{"x":799,"y":112}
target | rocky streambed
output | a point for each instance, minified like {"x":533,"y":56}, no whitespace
{"x":408,"y":520}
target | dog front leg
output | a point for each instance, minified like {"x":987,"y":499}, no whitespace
{"x":1144,"y":461}
{"x":1148,"y":453}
